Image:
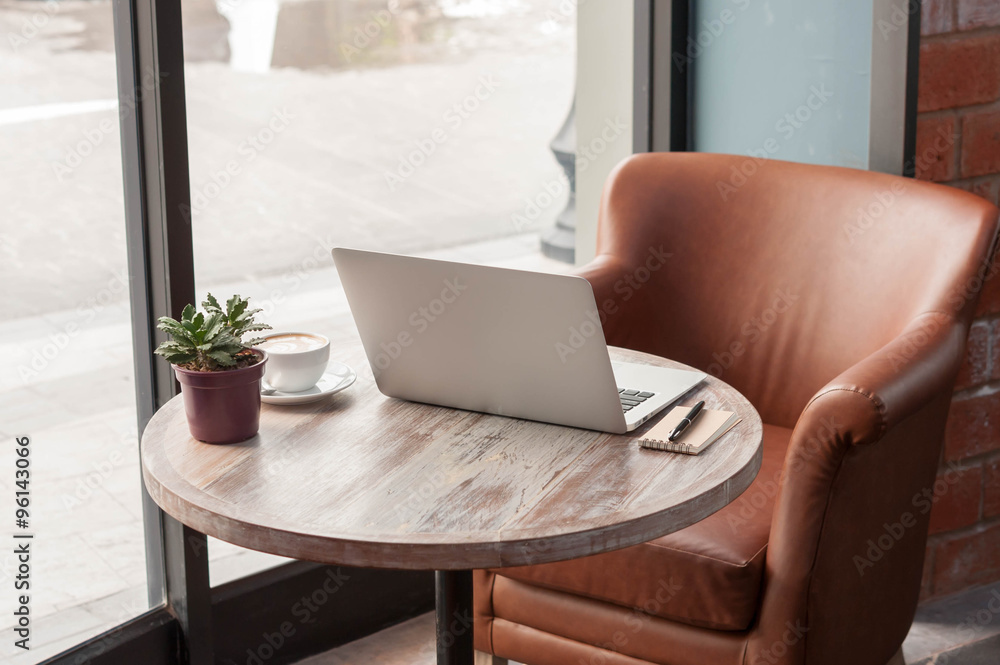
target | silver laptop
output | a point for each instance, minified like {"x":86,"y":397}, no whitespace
{"x":507,"y":342}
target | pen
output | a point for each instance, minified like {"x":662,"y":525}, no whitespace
{"x":686,"y":421}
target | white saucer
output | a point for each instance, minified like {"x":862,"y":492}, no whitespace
{"x":336,"y":377}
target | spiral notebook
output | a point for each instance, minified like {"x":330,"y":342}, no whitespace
{"x":703,"y":432}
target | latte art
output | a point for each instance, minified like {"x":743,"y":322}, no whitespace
{"x":292,"y":343}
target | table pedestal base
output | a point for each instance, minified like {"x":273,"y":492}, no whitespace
{"x":453,"y":600}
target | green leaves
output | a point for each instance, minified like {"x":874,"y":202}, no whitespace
{"x":221,"y":357}
{"x":235,"y":307}
{"x":210,"y":342}
{"x":211,"y":304}
{"x":238,"y":317}
{"x":176,"y":353}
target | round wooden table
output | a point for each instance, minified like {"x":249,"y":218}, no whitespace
{"x":361,"y":479}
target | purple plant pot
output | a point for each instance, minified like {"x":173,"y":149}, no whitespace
{"x":223,"y":407}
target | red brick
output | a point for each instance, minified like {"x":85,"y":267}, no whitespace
{"x":973,"y":427}
{"x":991,"y":488}
{"x":935,"y":17}
{"x":978,"y":14}
{"x":935,"y":152}
{"x":968,"y":560}
{"x":989,"y":298}
{"x":980,"y":144}
{"x":926,"y":589}
{"x":994,"y":350}
{"x":959,"y":72}
{"x":957,"y":498}
{"x":976,"y":366}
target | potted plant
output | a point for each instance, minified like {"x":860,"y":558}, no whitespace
{"x":218,"y":370}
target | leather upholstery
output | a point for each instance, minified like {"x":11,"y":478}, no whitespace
{"x":838,"y":301}
{"x":706,"y":575}
{"x":607,"y":628}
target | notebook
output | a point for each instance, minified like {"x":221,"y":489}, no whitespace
{"x":703,"y":432}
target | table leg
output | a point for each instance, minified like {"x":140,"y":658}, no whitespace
{"x":453,"y":598}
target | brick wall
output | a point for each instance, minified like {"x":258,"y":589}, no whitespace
{"x":958,"y":143}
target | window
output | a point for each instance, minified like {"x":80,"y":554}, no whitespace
{"x":417,"y":126}
{"x":65,"y":335}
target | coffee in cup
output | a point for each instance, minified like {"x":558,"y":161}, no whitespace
{"x":296,"y":360}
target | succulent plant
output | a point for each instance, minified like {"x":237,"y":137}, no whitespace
{"x":212,"y":340}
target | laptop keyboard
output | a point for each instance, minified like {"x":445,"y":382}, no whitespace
{"x":632,"y":398}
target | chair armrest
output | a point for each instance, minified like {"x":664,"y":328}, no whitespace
{"x":890,"y":384}
{"x":846,"y":547}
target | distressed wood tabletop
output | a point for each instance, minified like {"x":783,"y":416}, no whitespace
{"x":361,"y":479}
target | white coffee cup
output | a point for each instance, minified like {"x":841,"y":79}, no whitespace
{"x":295,"y":360}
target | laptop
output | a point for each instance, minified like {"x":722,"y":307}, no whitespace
{"x":500,"y":341}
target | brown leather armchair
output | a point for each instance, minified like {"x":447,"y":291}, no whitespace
{"x":838,"y":301}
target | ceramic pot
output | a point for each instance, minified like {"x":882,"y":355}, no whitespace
{"x":223,"y":407}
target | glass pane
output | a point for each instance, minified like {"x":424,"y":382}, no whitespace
{"x":413,"y":126}
{"x":782,"y":80}
{"x":66,"y":381}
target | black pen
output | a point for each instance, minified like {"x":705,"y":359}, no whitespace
{"x":686,"y":421}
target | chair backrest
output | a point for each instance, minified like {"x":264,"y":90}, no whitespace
{"x":777,"y":276}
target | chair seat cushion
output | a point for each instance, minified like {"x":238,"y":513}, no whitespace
{"x":708,"y":574}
